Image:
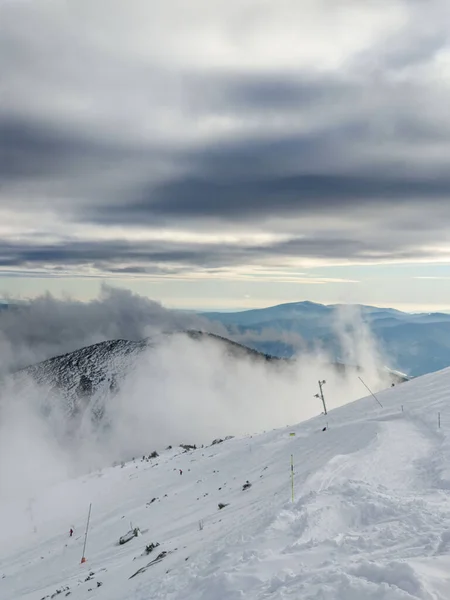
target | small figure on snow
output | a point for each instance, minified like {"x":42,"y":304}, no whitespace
{"x":181,"y":472}
{"x":71,"y":532}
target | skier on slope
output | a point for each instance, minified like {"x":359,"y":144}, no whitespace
{"x":71,"y":532}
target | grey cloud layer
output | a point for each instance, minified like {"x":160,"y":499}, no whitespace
{"x":154,"y":139}
{"x":171,"y":258}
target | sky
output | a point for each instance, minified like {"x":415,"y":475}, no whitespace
{"x":226,"y":155}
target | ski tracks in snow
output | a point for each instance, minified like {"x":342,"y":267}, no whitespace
{"x":353,"y":534}
{"x":388,"y":461}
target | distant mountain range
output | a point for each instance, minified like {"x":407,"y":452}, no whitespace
{"x":413,"y":343}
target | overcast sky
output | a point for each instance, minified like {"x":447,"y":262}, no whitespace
{"x":227,"y":154}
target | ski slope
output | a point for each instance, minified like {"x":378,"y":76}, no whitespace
{"x":370,"y":517}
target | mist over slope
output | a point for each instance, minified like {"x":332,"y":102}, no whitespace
{"x":126,"y":397}
{"x":82,"y":383}
{"x":369,"y":518}
{"x":45,"y":326}
{"x":84,"y":380}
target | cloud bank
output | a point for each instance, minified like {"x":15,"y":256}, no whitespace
{"x":180,"y":391}
{"x":44,"y":327}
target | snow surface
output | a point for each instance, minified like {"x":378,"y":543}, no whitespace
{"x":370,"y":517}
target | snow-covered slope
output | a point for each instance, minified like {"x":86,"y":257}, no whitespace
{"x":370,"y":517}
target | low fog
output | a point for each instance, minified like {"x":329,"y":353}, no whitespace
{"x":180,"y":391}
{"x":46,"y":326}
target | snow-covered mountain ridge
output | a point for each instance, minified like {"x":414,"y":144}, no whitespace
{"x":370,"y":518}
{"x":88,"y":376}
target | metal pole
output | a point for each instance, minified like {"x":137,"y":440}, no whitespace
{"x":322,"y":397}
{"x":83,"y":558}
{"x":292,"y":476}
{"x":366,"y":386}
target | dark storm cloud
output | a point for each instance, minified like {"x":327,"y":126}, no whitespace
{"x":263,"y":92}
{"x":48,"y":148}
{"x":39,"y":150}
{"x":34,"y":149}
{"x":233,"y":181}
{"x":300,"y":195}
{"x":130,"y":127}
